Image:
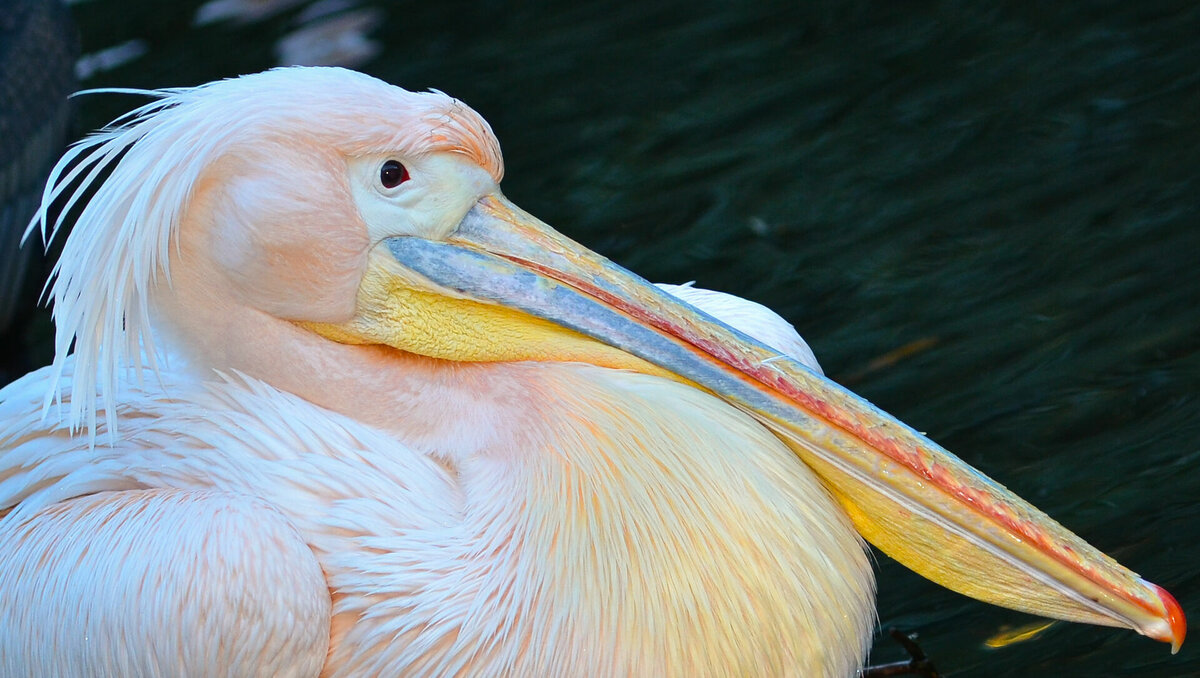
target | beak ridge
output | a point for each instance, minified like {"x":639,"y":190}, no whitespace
{"x":906,"y":494}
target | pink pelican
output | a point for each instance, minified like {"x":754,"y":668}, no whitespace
{"x":325,"y":403}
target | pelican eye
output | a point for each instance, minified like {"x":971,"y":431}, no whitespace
{"x":392,"y":174}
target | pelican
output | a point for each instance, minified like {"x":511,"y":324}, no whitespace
{"x":326,"y":403}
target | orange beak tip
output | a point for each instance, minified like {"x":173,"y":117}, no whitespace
{"x":1176,"y":622}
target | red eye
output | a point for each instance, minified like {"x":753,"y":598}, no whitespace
{"x":392,"y":174}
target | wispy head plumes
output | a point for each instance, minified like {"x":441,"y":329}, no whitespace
{"x":141,"y":172}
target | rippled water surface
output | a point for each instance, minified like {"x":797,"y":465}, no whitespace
{"x":985,"y":217}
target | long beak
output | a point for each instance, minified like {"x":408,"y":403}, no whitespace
{"x":905,"y":494}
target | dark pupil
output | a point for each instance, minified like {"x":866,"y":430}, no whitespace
{"x":392,"y":174}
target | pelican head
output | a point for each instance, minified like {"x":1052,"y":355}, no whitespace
{"x":346,"y":241}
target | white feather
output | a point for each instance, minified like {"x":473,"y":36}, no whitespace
{"x":750,"y":317}
{"x":500,"y":569}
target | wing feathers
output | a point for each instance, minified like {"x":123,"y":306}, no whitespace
{"x":222,"y":585}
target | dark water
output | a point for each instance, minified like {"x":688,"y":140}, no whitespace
{"x":985,"y":217}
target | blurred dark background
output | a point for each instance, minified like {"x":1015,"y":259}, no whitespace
{"x":983,"y":217}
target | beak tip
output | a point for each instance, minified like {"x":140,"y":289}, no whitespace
{"x":1176,"y":624}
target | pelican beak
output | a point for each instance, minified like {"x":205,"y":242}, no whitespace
{"x":914,"y":500}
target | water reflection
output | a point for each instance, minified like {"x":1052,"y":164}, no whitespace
{"x":334,"y":38}
{"x":321,"y":33}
